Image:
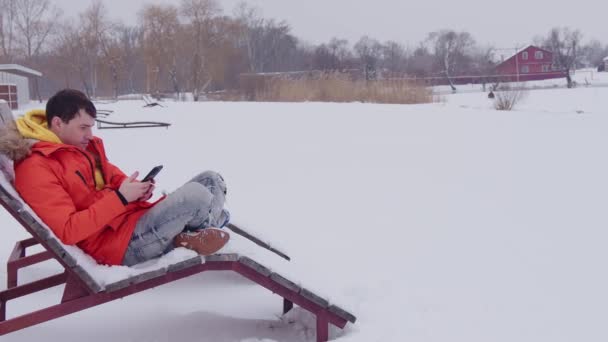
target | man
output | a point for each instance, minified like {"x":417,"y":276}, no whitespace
{"x":87,"y":201}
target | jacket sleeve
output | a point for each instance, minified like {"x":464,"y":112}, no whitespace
{"x":42,"y":190}
{"x":115,"y":176}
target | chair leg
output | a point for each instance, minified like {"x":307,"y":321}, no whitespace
{"x":322,"y":328}
{"x":73,"y":290}
{"x":11,"y":271}
{"x":11,"y":276}
{"x":2,"y":311}
{"x":287,"y":306}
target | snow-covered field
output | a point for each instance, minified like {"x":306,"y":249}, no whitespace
{"x":440,"y":222}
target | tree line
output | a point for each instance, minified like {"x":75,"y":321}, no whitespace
{"x":195,"y":47}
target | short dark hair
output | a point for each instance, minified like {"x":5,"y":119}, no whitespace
{"x":67,"y":103}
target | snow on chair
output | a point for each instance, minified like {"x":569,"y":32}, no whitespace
{"x":84,"y":290}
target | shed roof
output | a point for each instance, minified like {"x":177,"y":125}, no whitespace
{"x":20,"y":70}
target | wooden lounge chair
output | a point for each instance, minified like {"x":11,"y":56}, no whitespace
{"x":149,"y":102}
{"x":83,"y":291}
{"x":104,"y":124}
{"x":104,"y":112}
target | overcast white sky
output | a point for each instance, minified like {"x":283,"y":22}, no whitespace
{"x":503,"y":24}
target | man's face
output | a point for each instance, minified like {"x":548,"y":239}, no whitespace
{"x":77,"y":132}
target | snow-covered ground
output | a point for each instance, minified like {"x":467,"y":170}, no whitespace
{"x":439,"y":222}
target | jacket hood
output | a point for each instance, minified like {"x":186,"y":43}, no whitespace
{"x":12,"y":143}
{"x":17,"y":138}
{"x":33,"y":126}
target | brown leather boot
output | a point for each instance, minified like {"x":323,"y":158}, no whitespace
{"x":205,"y":241}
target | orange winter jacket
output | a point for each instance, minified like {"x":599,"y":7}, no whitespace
{"x":58,"y":182}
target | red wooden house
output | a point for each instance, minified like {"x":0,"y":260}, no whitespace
{"x":529,"y":64}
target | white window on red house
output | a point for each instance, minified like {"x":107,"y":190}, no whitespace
{"x":525,"y":69}
{"x":546,"y":67}
{"x":538,"y":55}
{"x":524,"y":55}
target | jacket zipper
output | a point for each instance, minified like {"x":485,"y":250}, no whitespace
{"x":92,"y":167}
{"x":82,"y":177}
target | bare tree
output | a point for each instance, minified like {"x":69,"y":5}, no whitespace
{"x":482,"y":63}
{"x":131,"y":46}
{"x":281,"y":45}
{"x":82,"y":47}
{"x":269,"y":44}
{"x":334,"y":55}
{"x":339,"y":48}
{"x":324,"y":59}
{"x":7,"y":30}
{"x":249,"y":21}
{"x":160,"y":26}
{"x":199,"y":15}
{"x":229,"y":57}
{"x":96,"y":29}
{"x":105,"y":40}
{"x":369,"y":51}
{"x":564,"y":43}
{"x":113,"y":56}
{"x":449,"y":48}
{"x":34,"y":23}
{"x":71,"y":48}
{"x":394,"y":56}
{"x":420,"y":63}
{"x":593,"y":53}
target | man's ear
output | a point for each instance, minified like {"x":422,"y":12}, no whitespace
{"x":56,"y":122}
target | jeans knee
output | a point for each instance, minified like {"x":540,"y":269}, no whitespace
{"x":196,"y":196}
{"x":211,"y":178}
{"x":212,"y":175}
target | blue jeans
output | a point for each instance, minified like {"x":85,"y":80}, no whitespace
{"x":195,"y":205}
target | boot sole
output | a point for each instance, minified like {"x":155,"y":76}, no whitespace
{"x":207,"y":242}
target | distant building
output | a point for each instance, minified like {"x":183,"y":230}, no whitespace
{"x":529,"y":64}
{"x":606,"y":64}
{"x":14,"y":84}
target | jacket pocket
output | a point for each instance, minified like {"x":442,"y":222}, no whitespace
{"x":81,"y":177}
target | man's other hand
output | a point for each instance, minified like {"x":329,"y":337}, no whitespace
{"x":148,"y":193}
{"x":132,"y":189}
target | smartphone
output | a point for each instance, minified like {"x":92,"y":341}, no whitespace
{"x":152,"y":173}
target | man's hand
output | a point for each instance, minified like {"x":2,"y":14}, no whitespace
{"x":148,"y":193}
{"x":132,"y":189}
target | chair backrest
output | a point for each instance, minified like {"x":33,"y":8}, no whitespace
{"x":6,"y":119}
{"x":5,"y":113}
